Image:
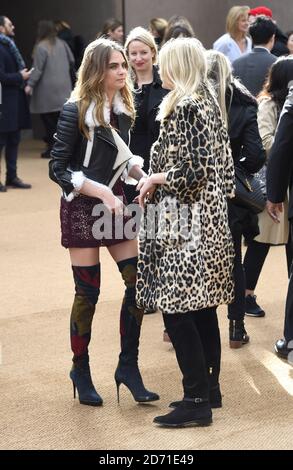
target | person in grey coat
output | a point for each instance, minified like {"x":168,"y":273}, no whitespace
{"x":253,"y":68}
{"x":50,"y":83}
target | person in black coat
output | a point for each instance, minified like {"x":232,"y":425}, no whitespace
{"x":279,"y":178}
{"x":280,"y":47}
{"x":15,"y":112}
{"x":239,"y":110}
{"x":141,"y":50}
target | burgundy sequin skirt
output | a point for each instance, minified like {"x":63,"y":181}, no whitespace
{"x":85,"y":223}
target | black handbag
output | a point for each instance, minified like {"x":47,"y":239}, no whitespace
{"x":249,"y":191}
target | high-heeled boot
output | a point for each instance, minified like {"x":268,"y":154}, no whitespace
{"x":237,"y":334}
{"x":127,"y":371}
{"x":81,"y":379}
{"x":87,"y":288}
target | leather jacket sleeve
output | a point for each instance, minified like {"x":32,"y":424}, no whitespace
{"x":252,"y":147}
{"x":66,"y":139}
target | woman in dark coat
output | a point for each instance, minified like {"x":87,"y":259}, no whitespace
{"x":141,"y":50}
{"x":239,"y":110}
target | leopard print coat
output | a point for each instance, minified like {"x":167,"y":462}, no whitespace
{"x":190,"y":268}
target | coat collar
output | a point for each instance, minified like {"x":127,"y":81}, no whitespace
{"x":157,"y":92}
{"x":119,"y":108}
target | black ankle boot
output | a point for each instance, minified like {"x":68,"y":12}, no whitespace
{"x":187,"y":413}
{"x":129,"y":375}
{"x":237,"y":334}
{"x":215,"y":398}
{"x":81,"y":378}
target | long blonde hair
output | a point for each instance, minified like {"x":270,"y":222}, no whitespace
{"x":220,"y":74}
{"x":182,"y":63}
{"x":90,"y":82}
{"x":232,"y":18}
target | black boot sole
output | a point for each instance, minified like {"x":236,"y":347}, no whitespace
{"x":90,"y":403}
{"x":197,"y":422}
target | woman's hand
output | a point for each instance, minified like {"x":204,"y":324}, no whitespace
{"x":113,"y":203}
{"x":146,"y":188}
{"x":28,"y":90}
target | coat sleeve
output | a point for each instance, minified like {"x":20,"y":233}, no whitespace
{"x":40,"y":59}
{"x":228,"y":162}
{"x":9,"y":79}
{"x":267,"y":123}
{"x":280,"y":165}
{"x":252,"y":152}
{"x":191,"y":173}
{"x":66,"y":139}
{"x":69,"y":54}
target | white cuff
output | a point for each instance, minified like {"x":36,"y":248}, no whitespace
{"x":135,"y":160}
{"x":77,"y":179}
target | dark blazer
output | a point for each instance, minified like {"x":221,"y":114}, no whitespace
{"x":253,"y":68}
{"x":247,"y":149}
{"x":15,"y":111}
{"x":70,"y":146}
{"x":280,"y":164}
{"x":280,"y":47}
{"x":243,"y":132}
{"x":140,"y":144}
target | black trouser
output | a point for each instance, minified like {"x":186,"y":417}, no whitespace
{"x":50,"y":123}
{"x":188,"y":347}
{"x":10,"y":140}
{"x":288,"y":324}
{"x":254,"y":259}
{"x":236,"y":310}
{"x":289,"y":252}
{"x":206,"y":321}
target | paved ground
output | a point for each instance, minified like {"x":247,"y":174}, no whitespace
{"x":37,"y":410}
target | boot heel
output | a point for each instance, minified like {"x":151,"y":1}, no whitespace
{"x":237,"y":334}
{"x":82,"y":381}
{"x":131,"y":378}
{"x":235,"y":344}
{"x":117,"y":386}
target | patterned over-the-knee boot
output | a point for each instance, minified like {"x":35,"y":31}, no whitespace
{"x":87,"y":289}
{"x":127,"y":371}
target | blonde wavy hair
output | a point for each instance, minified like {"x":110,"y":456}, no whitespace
{"x":220,"y":75}
{"x":233,"y":17}
{"x":90,"y":82}
{"x":183,"y":65}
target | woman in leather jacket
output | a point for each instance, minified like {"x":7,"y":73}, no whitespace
{"x":89,"y":160}
{"x":239,"y":111}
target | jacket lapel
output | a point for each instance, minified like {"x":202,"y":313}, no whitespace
{"x":124,"y":124}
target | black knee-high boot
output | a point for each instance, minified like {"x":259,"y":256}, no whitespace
{"x":195,"y":407}
{"x":87,"y":289}
{"x":127,"y":371}
{"x":206,"y":321}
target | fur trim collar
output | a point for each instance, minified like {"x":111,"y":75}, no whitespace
{"x":118,"y":108}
